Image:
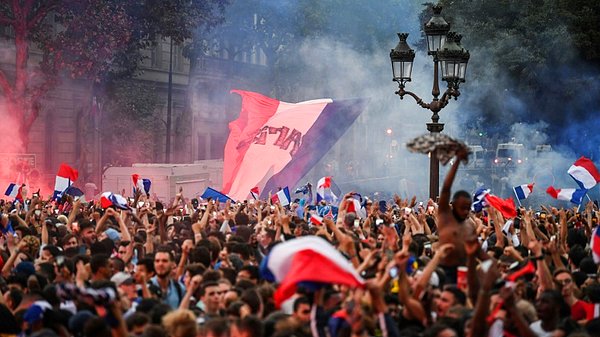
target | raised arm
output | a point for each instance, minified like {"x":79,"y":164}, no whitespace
{"x":444,"y":203}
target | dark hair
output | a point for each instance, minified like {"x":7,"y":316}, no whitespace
{"x":250,"y":324}
{"x":118,"y":263}
{"x":85,"y":224}
{"x":98,"y":261}
{"x":252,"y":299}
{"x":165,"y":250}
{"x":200,"y":255}
{"x":217,"y":326}
{"x":207,"y":284}
{"x":299,"y":301}
{"x":252,"y":270}
{"x":459,"y":295}
{"x":148,"y":263}
{"x":461,"y":194}
{"x":576,"y":254}
{"x":137,"y":319}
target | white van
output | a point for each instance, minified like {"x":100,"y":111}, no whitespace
{"x":509,"y":154}
{"x":476,"y":159}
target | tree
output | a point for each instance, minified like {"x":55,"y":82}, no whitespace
{"x":96,"y":40}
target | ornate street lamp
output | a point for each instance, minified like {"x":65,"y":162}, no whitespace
{"x":444,"y":46}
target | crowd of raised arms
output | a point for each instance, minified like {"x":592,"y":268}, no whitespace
{"x":186,"y":268}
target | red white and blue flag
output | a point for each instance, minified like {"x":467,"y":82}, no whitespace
{"x":324,"y":190}
{"x":574,"y":195}
{"x":141,"y":184}
{"x":316,"y":220}
{"x":109,"y":199}
{"x":255,"y":192}
{"x":274,"y":143}
{"x":14,"y":191}
{"x":595,"y":244}
{"x":523,"y":191}
{"x":64,"y":178}
{"x":303,"y":260}
{"x":585,"y":173}
{"x":282,"y":196}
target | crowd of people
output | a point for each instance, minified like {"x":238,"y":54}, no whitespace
{"x":193,"y":268}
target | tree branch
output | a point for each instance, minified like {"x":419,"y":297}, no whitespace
{"x":5,"y":85}
{"x":41,"y":13}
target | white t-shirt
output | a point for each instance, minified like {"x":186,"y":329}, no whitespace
{"x":536,"y":327}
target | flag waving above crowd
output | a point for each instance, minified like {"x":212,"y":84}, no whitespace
{"x":274,"y":143}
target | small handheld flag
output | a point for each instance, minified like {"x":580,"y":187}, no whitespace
{"x":255,"y":192}
{"x":64,"y":178}
{"x":142,"y":184}
{"x":282,"y":196}
{"x":523,"y":191}
{"x":479,"y":202}
{"x":214,"y":194}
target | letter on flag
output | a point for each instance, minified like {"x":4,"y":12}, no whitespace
{"x":275,"y":143}
{"x":523,"y":191}
{"x":568,"y":194}
{"x":304,"y":260}
{"x":64,"y":178}
{"x":585,"y":173}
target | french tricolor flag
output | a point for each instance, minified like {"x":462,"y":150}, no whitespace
{"x":282,"y":197}
{"x":303,"y":260}
{"x":64,"y":178}
{"x":585,"y":173}
{"x":595,"y":245}
{"x":274,"y":143}
{"x":523,"y":191}
{"x":255,"y":192}
{"x":14,"y":191}
{"x":316,"y":220}
{"x":142,"y":184}
{"x":568,"y":194}
{"x":324,"y":190}
{"x":109,"y":199}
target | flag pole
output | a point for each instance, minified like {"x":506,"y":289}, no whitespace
{"x":518,"y":200}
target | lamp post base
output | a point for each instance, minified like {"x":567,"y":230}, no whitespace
{"x":434,"y":164}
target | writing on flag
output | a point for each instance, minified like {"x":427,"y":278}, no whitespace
{"x":275,"y":143}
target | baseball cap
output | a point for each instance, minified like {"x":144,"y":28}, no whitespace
{"x":122,"y":278}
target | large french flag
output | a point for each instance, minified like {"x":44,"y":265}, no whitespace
{"x":595,"y":244}
{"x":64,"y":178}
{"x":303,"y":260}
{"x":523,"y":191}
{"x":568,"y":194}
{"x":274,"y":143}
{"x":585,"y":173}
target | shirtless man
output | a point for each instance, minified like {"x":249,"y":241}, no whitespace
{"x":453,"y":224}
